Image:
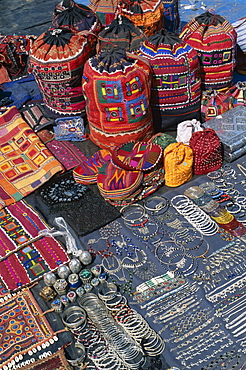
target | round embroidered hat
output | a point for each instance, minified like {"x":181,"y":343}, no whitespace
{"x":214,"y":39}
{"x":86,"y":173}
{"x":76,"y":17}
{"x":123,"y":33}
{"x":57,"y":59}
{"x":137,"y":156}
{"x":176,"y":87}
{"x":116,"y":85}
{"x":178,"y":161}
{"x":207,"y":151}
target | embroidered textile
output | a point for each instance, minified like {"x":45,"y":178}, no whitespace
{"x":147,"y":14}
{"x":117,"y":90}
{"x":18,"y":224}
{"x":176,"y":88}
{"x":105,"y":10}
{"x":214,"y":38}
{"x":76,"y":17}
{"x":171,"y":15}
{"x":57,"y":58}
{"x":57,"y":361}
{"x":25,"y":162}
{"x":22,"y":327}
{"x":70,"y":129}
{"x":214,"y":103}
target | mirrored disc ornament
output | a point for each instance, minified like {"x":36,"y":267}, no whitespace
{"x":49,"y":279}
{"x":85,"y":257}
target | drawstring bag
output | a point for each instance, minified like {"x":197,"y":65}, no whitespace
{"x":105,"y":10}
{"x":57,"y":59}
{"x":116,"y":85}
{"x":186,"y":129}
{"x":214,"y":103}
{"x":207,"y":151}
{"x":76,"y":17}
{"x":175,"y":92}
{"x":178,"y":162}
{"x":214,"y":38}
{"x":145,"y":14}
{"x":121,"y":32}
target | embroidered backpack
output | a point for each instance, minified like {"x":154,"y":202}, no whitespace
{"x":57,"y":59}
{"x":214,"y":39}
{"x":116,"y":86}
{"x":175,"y":91}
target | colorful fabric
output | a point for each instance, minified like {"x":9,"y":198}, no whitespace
{"x":214,"y":38}
{"x":57,"y":58}
{"x":25,"y":162}
{"x":14,"y":52}
{"x":117,"y":90}
{"x":238,"y":93}
{"x":207,"y":151}
{"x":70,"y":128}
{"x":19,"y":223}
{"x":214,"y":103}
{"x":123,"y":33}
{"x":171,"y":15}
{"x":176,"y":88}
{"x":23,"y":327}
{"x":57,"y":361}
{"x":145,"y":14}
{"x":178,"y":162}
{"x":36,"y":117}
{"x":105,"y":10}
{"x":162,"y":139}
{"x":77,"y":17}
{"x":86,"y":173}
{"x":141,"y":156}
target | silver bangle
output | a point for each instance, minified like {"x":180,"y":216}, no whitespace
{"x":73,"y":317}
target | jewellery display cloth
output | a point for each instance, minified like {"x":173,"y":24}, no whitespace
{"x":130,"y":254}
{"x":25,"y":162}
{"x":57,"y":361}
{"x":19,"y":225}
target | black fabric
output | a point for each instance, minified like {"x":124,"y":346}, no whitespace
{"x":209,"y":19}
{"x":164,"y":37}
{"x":57,"y":37}
{"x":111,"y":60}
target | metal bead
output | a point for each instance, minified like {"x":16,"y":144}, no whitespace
{"x":75,"y":265}
{"x":49,"y":278}
{"x":63,"y":271}
{"x":85,"y":257}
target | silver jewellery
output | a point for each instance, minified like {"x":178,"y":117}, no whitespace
{"x":156,"y":205}
{"x":73,"y":317}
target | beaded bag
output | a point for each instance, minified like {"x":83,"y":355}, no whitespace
{"x":117,"y":90}
{"x":57,"y":58}
{"x":214,"y":38}
{"x":175,"y":92}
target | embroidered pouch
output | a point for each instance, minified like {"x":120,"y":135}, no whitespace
{"x":145,"y":14}
{"x":26,"y":261}
{"x":76,"y":17}
{"x":25,"y":162}
{"x":123,"y":33}
{"x":70,"y":128}
{"x":185,"y":130}
{"x":57,"y":59}
{"x":178,"y":161}
{"x":86,"y":173}
{"x":176,"y":87}
{"x":214,"y":38}
{"x":238,"y":92}
{"x":83,"y":209}
{"x":207,"y":151}
{"x":214,"y":103}
{"x":117,"y":89}
{"x":162,"y":139}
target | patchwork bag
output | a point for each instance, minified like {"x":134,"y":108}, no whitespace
{"x":207,"y":151}
{"x":176,"y":91}
{"x":214,"y":38}
{"x":105,"y":10}
{"x":76,"y":17}
{"x":145,"y":14}
{"x":116,"y":85}
{"x":57,"y":59}
{"x":123,"y":33}
{"x":178,"y":162}
{"x":214,"y":103}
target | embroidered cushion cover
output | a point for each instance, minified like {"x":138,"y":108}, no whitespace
{"x":117,"y":90}
{"x":214,"y":38}
{"x":57,"y":58}
{"x":175,"y":92}
{"x":25,"y":162}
